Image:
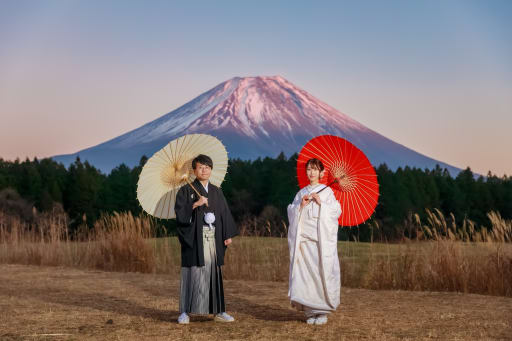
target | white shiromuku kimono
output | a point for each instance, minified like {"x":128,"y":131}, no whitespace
{"x":314,"y":282}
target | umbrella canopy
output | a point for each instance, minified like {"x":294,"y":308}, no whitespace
{"x":349,"y":173}
{"x":171,"y":167}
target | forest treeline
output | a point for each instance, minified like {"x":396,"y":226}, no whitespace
{"x":258,"y":192}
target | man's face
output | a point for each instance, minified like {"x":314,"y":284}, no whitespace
{"x":202,"y":172}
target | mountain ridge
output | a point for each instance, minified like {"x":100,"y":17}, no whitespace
{"x":254,"y":117}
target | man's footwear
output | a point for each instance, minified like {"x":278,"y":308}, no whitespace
{"x":321,"y":319}
{"x":224,"y":317}
{"x":183,"y":319}
{"x":311,"y":320}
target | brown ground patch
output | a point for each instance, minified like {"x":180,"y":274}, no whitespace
{"x":75,"y":304}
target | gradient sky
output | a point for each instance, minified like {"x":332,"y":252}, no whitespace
{"x":435,"y":76}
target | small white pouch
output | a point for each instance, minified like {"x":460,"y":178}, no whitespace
{"x":209,"y":218}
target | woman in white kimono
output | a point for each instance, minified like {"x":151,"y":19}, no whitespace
{"x":314,"y":282}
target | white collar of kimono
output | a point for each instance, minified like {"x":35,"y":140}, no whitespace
{"x":315,"y":188}
{"x":205,"y":186}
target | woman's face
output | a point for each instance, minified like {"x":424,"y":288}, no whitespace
{"x":313,"y":174}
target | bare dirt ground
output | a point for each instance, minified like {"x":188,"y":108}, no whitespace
{"x":47,"y":303}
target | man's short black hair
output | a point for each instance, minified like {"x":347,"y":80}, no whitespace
{"x":202,"y":159}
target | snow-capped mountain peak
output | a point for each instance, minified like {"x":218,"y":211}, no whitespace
{"x":254,"y":117}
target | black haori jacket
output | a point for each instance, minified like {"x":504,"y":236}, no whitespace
{"x":190,"y":223}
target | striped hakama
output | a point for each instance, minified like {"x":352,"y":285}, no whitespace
{"x":201,"y":289}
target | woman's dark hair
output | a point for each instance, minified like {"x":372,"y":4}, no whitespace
{"x":315,"y":163}
{"x":202,"y":159}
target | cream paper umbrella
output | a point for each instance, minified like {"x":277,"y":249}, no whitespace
{"x":171,"y":168}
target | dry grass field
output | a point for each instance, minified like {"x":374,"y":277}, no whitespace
{"x":454,"y":258}
{"x":118,"y":282}
{"x":56,"y":303}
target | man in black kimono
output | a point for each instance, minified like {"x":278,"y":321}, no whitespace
{"x":205,"y":229}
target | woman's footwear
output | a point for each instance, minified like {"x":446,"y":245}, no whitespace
{"x":321,"y":319}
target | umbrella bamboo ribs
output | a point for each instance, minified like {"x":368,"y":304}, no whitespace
{"x":350,"y":175}
{"x":170,"y":168}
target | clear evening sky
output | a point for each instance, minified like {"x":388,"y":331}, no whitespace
{"x":435,"y":76}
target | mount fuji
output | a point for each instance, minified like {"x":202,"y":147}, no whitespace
{"x":254,"y":117}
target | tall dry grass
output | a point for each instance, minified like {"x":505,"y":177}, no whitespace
{"x":443,"y":257}
{"x":451,"y":258}
{"x":439,"y":227}
{"x":117,"y":242}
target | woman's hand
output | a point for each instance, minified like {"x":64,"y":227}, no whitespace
{"x":316,"y":198}
{"x":202,"y":201}
{"x":228,"y":241}
{"x":304,"y":201}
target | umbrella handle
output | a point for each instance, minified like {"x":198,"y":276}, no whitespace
{"x":321,"y":191}
{"x":329,"y":185}
{"x":195,"y":190}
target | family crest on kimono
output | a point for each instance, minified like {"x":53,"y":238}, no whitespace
{"x":205,"y":228}
{"x":314,"y":279}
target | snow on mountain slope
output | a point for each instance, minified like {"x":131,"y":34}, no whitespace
{"x":254,"y":117}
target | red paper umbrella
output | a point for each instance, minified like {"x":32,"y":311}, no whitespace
{"x":349,"y":173}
